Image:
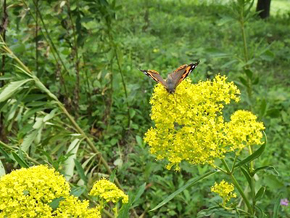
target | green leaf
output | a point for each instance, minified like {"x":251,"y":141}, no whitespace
{"x":139,"y":140}
{"x":244,"y":81}
{"x":55,"y":203}
{"x":140,"y":191}
{"x":2,"y":169}
{"x":260,"y":192}
{"x":277,"y":207}
{"x":247,"y":175}
{"x":11,"y":88}
{"x":262,"y":214}
{"x":124,"y":211}
{"x":5,"y":154}
{"x":267,"y":56}
{"x":263,"y":107}
{"x":266,"y":168}
{"x":20,"y":161}
{"x":81,"y":171}
{"x":188,"y":184}
{"x":253,"y":156}
{"x":69,"y":163}
{"x":28,"y":139}
{"x":78,"y":191}
{"x":249,"y":73}
{"x":273,"y":182}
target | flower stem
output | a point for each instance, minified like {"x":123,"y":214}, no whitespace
{"x":236,"y":184}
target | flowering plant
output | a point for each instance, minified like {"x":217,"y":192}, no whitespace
{"x":189,"y":125}
{"x":30,"y":192}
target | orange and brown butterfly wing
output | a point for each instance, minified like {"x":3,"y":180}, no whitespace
{"x":183,"y":71}
{"x":154,"y":75}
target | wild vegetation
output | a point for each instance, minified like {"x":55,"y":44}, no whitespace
{"x":72,"y":97}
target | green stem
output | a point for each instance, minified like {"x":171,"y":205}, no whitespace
{"x":252,"y":179}
{"x":236,"y":184}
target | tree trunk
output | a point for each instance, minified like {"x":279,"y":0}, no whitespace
{"x":263,"y":8}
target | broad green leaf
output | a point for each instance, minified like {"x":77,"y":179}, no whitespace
{"x":273,"y":182}
{"x":50,"y":115}
{"x":20,"y":161}
{"x":260,"y":192}
{"x":253,"y":156}
{"x":139,"y":141}
{"x":2,"y":169}
{"x":69,"y":163}
{"x":55,"y":203}
{"x":81,"y":171}
{"x":39,"y":123}
{"x":249,"y":73}
{"x":78,"y":191}
{"x":268,"y":55}
{"x":11,"y":88}
{"x":188,"y":184}
{"x":28,"y":139}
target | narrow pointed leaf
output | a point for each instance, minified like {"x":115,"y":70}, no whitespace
{"x":11,"y":88}
{"x":139,"y":192}
{"x":253,"y":156}
{"x":188,"y":184}
{"x":81,"y":171}
{"x":20,"y":161}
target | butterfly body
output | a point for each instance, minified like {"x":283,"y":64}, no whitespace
{"x":174,"y":78}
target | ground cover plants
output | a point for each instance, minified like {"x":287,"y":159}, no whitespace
{"x":72,"y":98}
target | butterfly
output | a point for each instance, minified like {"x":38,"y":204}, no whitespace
{"x":174,"y":78}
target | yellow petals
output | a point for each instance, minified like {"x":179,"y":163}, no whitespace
{"x":189,"y":124}
{"x":28,"y":193}
{"x":225,"y":190}
{"x":72,"y":207}
{"x":108,"y":191}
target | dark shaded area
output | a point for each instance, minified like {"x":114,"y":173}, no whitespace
{"x":263,"y":8}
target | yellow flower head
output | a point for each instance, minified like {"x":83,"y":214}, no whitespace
{"x":108,"y":191}
{"x":243,"y":129}
{"x":72,"y":207}
{"x":189,"y":124}
{"x":27,"y":192}
{"x":225,"y":190}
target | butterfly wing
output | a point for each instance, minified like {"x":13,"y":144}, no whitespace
{"x":182,"y":72}
{"x":154,"y":75}
{"x":178,"y":75}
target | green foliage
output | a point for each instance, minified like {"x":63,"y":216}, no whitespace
{"x":83,"y":57}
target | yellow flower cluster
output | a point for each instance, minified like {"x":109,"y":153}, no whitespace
{"x":72,"y":207}
{"x":28,"y":192}
{"x":189,"y":124}
{"x":243,"y":130}
{"x":225,"y":190}
{"x":108,"y":191}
